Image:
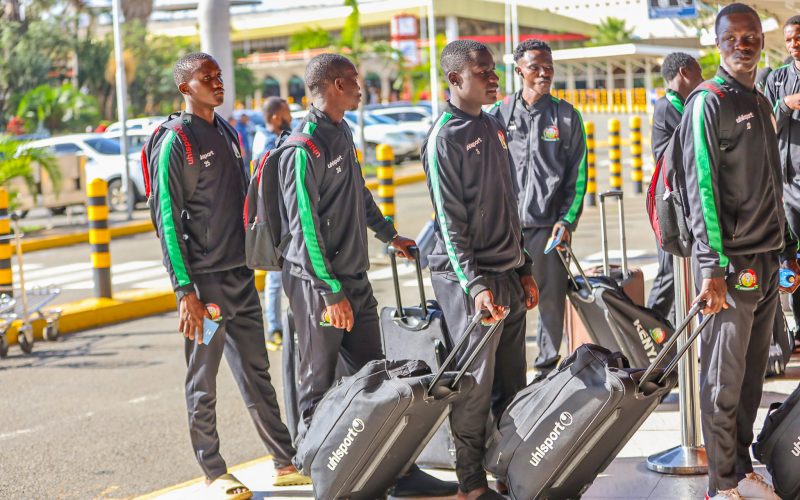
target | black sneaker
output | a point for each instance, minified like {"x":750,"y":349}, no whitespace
{"x":418,"y":483}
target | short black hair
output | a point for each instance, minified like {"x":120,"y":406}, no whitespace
{"x":458,"y":54}
{"x":323,"y":69}
{"x":792,"y":20}
{"x":734,"y":8}
{"x":530,"y":44}
{"x":186,"y":65}
{"x":673,"y":63}
{"x":271,"y":106}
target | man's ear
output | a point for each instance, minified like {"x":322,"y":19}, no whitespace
{"x":338,"y":84}
{"x":518,"y":70}
{"x":184,"y":88}
{"x":454,"y":79}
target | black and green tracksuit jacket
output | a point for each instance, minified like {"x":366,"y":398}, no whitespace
{"x":734,"y":194}
{"x":547,"y":142}
{"x":198,"y":198}
{"x":473,"y":190}
{"x":780,"y":83}
{"x":667,"y":114}
{"x":327,"y":207}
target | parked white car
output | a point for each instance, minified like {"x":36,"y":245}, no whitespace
{"x":103,"y":160}
{"x":147,"y":124}
{"x":405,"y":114}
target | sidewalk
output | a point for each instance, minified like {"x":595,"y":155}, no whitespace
{"x":627,"y":478}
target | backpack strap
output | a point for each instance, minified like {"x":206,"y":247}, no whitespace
{"x":727,"y":118}
{"x":564,"y":119}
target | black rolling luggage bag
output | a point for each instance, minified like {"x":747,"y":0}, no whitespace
{"x":778,"y":446}
{"x":419,"y":333}
{"x":561,"y":431}
{"x":369,"y":428}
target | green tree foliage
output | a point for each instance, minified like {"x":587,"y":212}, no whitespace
{"x":709,"y":63}
{"x":611,"y":31}
{"x":152,"y":88}
{"x":246,"y":83}
{"x":93,"y":56}
{"x":58,"y":109}
{"x":16,"y":163}
{"x":27,"y":52}
{"x":310,"y":38}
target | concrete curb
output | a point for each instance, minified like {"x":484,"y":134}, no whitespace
{"x":399,"y":181}
{"x":91,"y":313}
{"x":63,"y":240}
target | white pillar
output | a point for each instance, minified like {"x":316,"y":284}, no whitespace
{"x":451,"y":28}
{"x":648,"y":83}
{"x":570,"y":77}
{"x":609,"y":85}
{"x":214,"y":20}
{"x":628,"y":85}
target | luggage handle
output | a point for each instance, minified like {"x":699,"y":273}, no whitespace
{"x":693,"y":312}
{"x":396,"y":280}
{"x":565,"y":248}
{"x":604,"y":233}
{"x":461,"y":342}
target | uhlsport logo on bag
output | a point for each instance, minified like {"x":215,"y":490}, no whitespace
{"x":564,"y":421}
{"x":796,"y":448}
{"x":356,"y":428}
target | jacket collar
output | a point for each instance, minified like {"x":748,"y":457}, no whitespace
{"x":723,"y":76}
{"x":542,"y":103}
{"x":457,"y":112}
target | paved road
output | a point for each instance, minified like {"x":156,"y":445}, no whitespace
{"x":100,"y":414}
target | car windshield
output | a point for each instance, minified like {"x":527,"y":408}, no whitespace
{"x":369,"y":119}
{"x":105,"y":146}
{"x":384,"y":119}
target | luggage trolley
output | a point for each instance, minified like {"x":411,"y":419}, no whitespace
{"x":29,"y":307}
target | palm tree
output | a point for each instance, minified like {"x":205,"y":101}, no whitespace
{"x":137,"y":10}
{"x":611,"y":31}
{"x":15,"y":162}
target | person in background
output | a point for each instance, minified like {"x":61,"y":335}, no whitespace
{"x":278,"y":122}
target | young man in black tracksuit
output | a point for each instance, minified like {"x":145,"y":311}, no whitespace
{"x":733,"y":180}
{"x":548,"y":149}
{"x":327,"y":209}
{"x":783,"y":91}
{"x":199,"y":182}
{"x":682,"y":74}
{"x":478,"y":262}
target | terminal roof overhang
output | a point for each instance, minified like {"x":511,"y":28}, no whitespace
{"x":618,"y":52}
{"x":287,"y":21}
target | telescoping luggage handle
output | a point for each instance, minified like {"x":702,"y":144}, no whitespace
{"x":604,"y":233}
{"x":694,"y":311}
{"x":396,"y":279}
{"x":461,"y":342}
{"x":565,"y":248}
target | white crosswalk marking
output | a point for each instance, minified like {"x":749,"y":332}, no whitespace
{"x":79,"y":276}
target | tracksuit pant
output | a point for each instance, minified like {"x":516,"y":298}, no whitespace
{"x":662,"y":295}
{"x":499,"y":370}
{"x":551,"y":278}
{"x":320,"y":347}
{"x":733,"y":357}
{"x":240,"y":337}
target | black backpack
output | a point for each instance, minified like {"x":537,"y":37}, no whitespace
{"x":264,"y":242}
{"x":191,"y":148}
{"x":666,"y":200}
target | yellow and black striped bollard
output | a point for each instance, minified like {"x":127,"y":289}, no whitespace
{"x":99,"y":236}
{"x":385,"y":157}
{"x":636,"y":153}
{"x":6,"y":278}
{"x":591,"y":171}
{"x":614,"y":155}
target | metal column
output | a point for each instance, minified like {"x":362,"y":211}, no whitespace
{"x":690,"y":456}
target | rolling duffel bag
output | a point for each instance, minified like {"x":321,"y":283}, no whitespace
{"x":778,"y":446}
{"x":370,"y":427}
{"x":419,"y":332}
{"x":561,"y":431}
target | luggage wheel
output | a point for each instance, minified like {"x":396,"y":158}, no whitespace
{"x":3,"y":345}
{"x":25,"y":338}
{"x":51,"y":330}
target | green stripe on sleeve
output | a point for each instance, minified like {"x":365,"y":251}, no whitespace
{"x":580,"y":182}
{"x":675,"y":101}
{"x":704,"y":179}
{"x":433,"y":171}
{"x":777,"y":104}
{"x":307,"y":221}
{"x":170,"y":234}
{"x":309,"y":128}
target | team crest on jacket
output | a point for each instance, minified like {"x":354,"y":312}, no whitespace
{"x":550,"y":133}
{"x":747,"y":280}
{"x":502,"y":139}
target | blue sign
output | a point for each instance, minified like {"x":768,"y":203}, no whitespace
{"x":682,"y":9}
